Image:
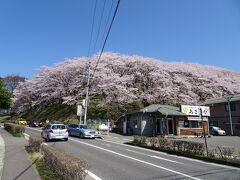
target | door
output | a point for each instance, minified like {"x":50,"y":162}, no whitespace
{"x":158,"y":129}
{"x":124,"y":127}
{"x":170,"y":126}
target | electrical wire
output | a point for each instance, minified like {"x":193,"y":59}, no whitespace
{"x":99,"y":25}
{"x":93,"y":22}
{"x":109,"y":29}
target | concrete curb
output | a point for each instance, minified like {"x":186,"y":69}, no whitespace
{"x":2,"y":154}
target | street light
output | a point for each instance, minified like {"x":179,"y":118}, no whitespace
{"x":228,"y":98}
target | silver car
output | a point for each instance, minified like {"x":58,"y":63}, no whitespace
{"x":54,"y":131}
{"x":82,"y":131}
{"x":217,"y":131}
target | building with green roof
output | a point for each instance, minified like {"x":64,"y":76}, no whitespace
{"x":157,"y":119}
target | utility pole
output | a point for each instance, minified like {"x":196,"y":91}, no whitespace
{"x":228,"y":98}
{"x":204,"y":135}
{"x":87,"y":90}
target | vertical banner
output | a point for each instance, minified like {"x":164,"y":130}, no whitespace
{"x":79,"y":110}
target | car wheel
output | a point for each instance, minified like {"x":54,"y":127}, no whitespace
{"x":81,"y":135}
{"x":66,"y":139}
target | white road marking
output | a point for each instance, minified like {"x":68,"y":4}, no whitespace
{"x":135,"y":159}
{"x":157,"y":157}
{"x":158,"y":152}
{"x":2,"y":154}
{"x":94,"y":176}
{"x":175,"y":156}
{"x":26,"y":136}
{"x":115,"y":137}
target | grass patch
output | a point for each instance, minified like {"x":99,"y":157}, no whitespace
{"x":59,"y":112}
{"x":18,"y":134}
{"x":45,"y":171}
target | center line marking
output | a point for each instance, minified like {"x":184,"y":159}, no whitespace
{"x":129,"y":157}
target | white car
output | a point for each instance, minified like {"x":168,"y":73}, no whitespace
{"x":54,"y":131}
{"x":217,"y":131}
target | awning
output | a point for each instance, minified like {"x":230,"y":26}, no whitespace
{"x":196,"y":118}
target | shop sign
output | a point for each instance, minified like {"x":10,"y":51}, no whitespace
{"x":195,"y":110}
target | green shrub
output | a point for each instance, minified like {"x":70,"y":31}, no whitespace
{"x":162,"y":143}
{"x":140,"y":140}
{"x":187,"y":146}
{"x":224,"y":152}
{"x":35,"y":142}
{"x":66,"y":166}
{"x":14,"y":129}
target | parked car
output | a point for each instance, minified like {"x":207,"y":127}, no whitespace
{"x":103,"y":127}
{"x":216,"y":131}
{"x":82,"y":131}
{"x":54,"y":131}
{"x":21,"y":121}
{"x":35,"y":123}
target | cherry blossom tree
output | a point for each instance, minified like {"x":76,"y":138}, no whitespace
{"x":122,"y":79}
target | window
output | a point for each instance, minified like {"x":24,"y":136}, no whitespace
{"x":195,"y":124}
{"x":180,"y":123}
{"x":58,"y":127}
{"x":232,"y":107}
{"x":83,"y":127}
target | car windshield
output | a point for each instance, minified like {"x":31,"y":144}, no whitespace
{"x":58,"y":127}
{"x":83,"y":127}
{"x":218,"y":128}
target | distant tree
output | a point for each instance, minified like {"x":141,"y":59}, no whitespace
{"x":5,"y":98}
{"x":12,"y":81}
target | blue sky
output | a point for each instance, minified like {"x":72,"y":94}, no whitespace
{"x":43,"y":32}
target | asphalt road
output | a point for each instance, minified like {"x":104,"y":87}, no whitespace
{"x":114,"y":161}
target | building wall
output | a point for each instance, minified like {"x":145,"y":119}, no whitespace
{"x":149,"y":127}
{"x":220,"y":117}
{"x":194,"y":131}
{"x":147,"y":124}
{"x":140,"y":121}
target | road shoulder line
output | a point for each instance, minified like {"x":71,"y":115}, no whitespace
{"x":138,"y":160}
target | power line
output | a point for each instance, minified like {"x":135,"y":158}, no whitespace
{"x":108,"y":19}
{"x":99,"y":25}
{"x":109,"y":29}
{"x":93,"y":22}
{"x":89,"y":79}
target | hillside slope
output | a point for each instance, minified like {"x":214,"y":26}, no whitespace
{"x":122,"y":79}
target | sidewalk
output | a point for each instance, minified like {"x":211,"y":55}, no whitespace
{"x":16,"y":165}
{"x":119,"y":138}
